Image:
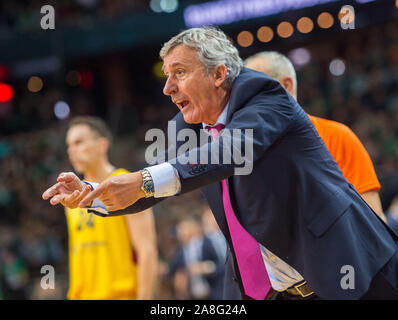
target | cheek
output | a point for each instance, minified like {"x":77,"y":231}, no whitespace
{"x":92,"y":152}
{"x":204,"y":94}
{"x":83,"y":153}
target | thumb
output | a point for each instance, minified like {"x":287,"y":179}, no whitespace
{"x":92,"y":195}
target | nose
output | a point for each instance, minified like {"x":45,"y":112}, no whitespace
{"x":170,"y":87}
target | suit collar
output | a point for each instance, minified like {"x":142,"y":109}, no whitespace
{"x":246,"y":85}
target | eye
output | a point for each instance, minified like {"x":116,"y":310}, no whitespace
{"x":180,"y":72}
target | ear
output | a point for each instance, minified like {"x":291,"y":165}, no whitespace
{"x":287,"y":83}
{"x":220,"y":74}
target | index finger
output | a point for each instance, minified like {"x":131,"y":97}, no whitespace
{"x":92,"y":195}
{"x":50,"y":192}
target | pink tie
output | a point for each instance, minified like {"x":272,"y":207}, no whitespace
{"x":252,"y":270}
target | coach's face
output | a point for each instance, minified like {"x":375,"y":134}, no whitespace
{"x":199,"y":97}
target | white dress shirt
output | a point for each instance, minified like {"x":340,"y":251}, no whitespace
{"x":167,"y":183}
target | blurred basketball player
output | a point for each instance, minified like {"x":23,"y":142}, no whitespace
{"x":112,"y":258}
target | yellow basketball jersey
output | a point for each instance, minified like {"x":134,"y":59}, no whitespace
{"x":101,"y":259}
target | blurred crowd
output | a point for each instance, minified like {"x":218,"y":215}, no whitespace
{"x":33,"y":233}
{"x":22,"y":16}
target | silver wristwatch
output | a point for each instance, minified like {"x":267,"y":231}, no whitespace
{"x":147,"y":183}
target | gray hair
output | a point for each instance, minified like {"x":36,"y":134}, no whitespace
{"x":213,"y":47}
{"x":278,"y":66}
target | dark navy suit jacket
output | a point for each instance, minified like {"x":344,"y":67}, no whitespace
{"x":296,"y":202}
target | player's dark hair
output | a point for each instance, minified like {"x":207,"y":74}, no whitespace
{"x":96,"y":124}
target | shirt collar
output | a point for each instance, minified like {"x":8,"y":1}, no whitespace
{"x":222,"y":118}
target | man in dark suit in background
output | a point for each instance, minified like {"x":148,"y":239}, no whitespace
{"x":197,"y":268}
{"x":293,"y":223}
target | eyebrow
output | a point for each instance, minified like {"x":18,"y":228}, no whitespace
{"x":73,"y":140}
{"x":174,"y":64}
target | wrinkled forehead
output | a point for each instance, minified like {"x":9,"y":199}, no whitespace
{"x":181,"y":55}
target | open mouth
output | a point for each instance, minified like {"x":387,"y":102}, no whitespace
{"x":183,"y":104}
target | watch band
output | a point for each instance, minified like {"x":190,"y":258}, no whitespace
{"x":147,"y":183}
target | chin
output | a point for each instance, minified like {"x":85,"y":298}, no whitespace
{"x":191,"y":120}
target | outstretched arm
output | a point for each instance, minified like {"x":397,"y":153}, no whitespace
{"x":259,"y":126}
{"x":70,"y":191}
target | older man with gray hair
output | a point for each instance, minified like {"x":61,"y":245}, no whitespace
{"x":292,"y":224}
{"x":345,"y":147}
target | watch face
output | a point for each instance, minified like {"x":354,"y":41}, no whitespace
{"x":149,"y":187}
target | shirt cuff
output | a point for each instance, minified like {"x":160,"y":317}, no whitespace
{"x":165,"y":179}
{"x":97,"y":206}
